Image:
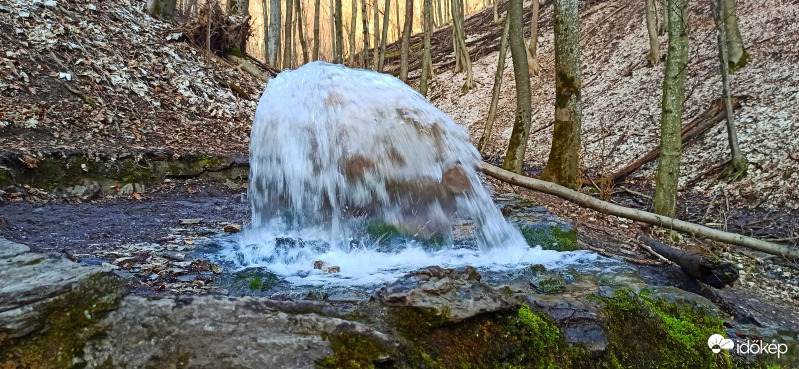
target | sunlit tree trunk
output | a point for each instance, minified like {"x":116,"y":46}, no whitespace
{"x":317,"y":6}
{"x":301,"y":31}
{"x":265,"y":16}
{"x":288,"y":32}
{"x":738,"y":56}
{"x":376,"y":34}
{"x":492,"y":110}
{"x":382,"y":57}
{"x":459,"y":41}
{"x":668,"y":171}
{"x":738,"y":163}
{"x":496,"y":11}
{"x":365,"y":26}
{"x":339,"y":34}
{"x":274,"y":31}
{"x":563,"y":166}
{"x":532,"y":45}
{"x":427,"y":68}
{"x":406,"y":41}
{"x":514,"y":158}
{"x":651,"y":27}
{"x":332,"y":32}
{"x":353,"y":27}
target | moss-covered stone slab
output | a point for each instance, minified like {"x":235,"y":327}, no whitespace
{"x":538,"y":226}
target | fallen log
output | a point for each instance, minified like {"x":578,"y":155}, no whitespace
{"x":690,"y":132}
{"x":708,"y":270}
{"x":639,"y":215}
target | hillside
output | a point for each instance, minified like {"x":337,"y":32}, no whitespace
{"x":105,"y":76}
{"x":621,"y":98}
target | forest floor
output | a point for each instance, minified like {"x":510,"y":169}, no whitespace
{"x":102,"y":76}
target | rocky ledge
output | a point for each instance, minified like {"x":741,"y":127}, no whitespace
{"x":58,"y":314}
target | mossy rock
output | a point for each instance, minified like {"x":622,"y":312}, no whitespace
{"x":648,"y":332}
{"x":69,"y":323}
{"x":551,"y":238}
{"x":351,"y":351}
{"x":512,"y":339}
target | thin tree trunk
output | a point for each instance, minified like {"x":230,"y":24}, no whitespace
{"x":288,"y":33}
{"x":668,"y":172}
{"x":382,"y":57}
{"x":428,"y":31}
{"x":332,"y":32}
{"x":265,"y":15}
{"x":365,"y":24}
{"x":608,"y":208}
{"x":664,"y":17}
{"x":532,"y":45}
{"x":376,"y":34}
{"x":738,"y":164}
{"x":563,"y":166}
{"x":353,"y":28}
{"x":654,"y":44}
{"x":738,"y":56}
{"x":339,"y":57}
{"x":397,"y":12}
{"x":164,"y":9}
{"x":274,"y":31}
{"x":406,"y":41}
{"x":496,"y":11}
{"x":514,"y":158}
{"x":492,"y":110}
{"x":459,"y":40}
{"x":301,"y":31}
{"x":316,"y":40}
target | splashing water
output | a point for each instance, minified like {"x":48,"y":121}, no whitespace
{"x":357,"y":169}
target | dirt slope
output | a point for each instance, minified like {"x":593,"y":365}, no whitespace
{"x":103,"y":75}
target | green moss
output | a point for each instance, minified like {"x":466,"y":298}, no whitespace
{"x":734,"y":67}
{"x":378,"y":229}
{"x":68,"y":323}
{"x":351,"y":352}
{"x":648,"y":333}
{"x":511,"y":339}
{"x":549,"y":286}
{"x":553,"y":238}
{"x":6,"y":179}
{"x":256,"y":284}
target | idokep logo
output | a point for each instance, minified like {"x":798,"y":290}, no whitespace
{"x":717,"y":343}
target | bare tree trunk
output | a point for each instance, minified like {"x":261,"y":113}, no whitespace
{"x":376,"y":33}
{"x":496,"y":11}
{"x":563,"y":166}
{"x":274,"y":32}
{"x":654,"y":44}
{"x":288,"y":32}
{"x":738,"y":56}
{"x":514,"y":158}
{"x":406,"y":41}
{"x":265,"y":15}
{"x":353,"y":28}
{"x":460,"y":41}
{"x":426,"y":58}
{"x":492,"y":110}
{"x":316,"y":40}
{"x":301,"y":31}
{"x":532,"y":45}
{"x":668,"y":172}
{"x":339,"y":57}
{"x":664,"y":17}
{"x":365,"y":24}
{"x":738,"y":163}
{"x":332,"y":32}
{"x":397,"y":12}
{"x":382,"y":57}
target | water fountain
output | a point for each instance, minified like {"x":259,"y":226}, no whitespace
{"x":357,"y":169}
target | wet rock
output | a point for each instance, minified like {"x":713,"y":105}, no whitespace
{"x":455,"y":291}
{"x":221,"y":332}
{"x":198,"y":265}
{"x":581,"y":321}
{"x":49,"y":302}
{"x":325,"y":268}
{"x":83,"y":192}
{"x":130,"y":188}
{"x":232,"y":228}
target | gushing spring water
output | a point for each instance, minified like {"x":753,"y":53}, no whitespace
{"x":344,"y":161}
